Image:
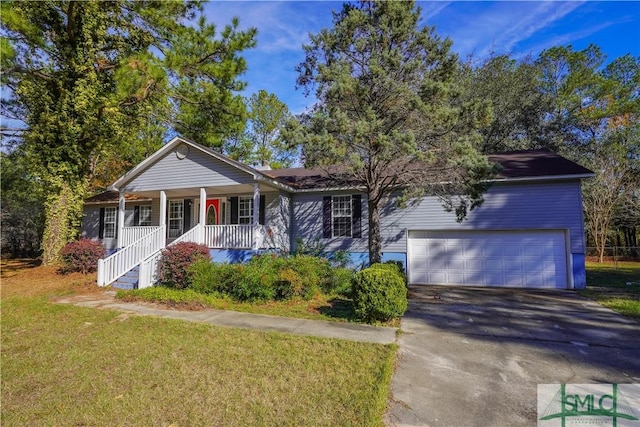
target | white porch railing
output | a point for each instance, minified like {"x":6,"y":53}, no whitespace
{"x":229,"y":236}
{"x":114,"y":266}
{"x":132,"y":234}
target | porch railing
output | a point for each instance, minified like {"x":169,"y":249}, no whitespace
{"x":132,"y":234}
{"x":114,"y":266}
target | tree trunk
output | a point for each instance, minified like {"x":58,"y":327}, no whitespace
{"x":375,"y":241}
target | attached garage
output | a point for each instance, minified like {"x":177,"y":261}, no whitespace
{"x":512,"y":258}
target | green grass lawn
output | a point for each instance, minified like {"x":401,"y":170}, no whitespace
{"x":607,"y":284}
{"x":68,"y":365}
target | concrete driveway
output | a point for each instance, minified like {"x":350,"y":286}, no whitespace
{"x":474,"y":356}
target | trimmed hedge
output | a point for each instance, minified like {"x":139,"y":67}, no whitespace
{"x":379,"y":293}
{"x":82,"y":256}
{"x":269,"y":276}
{"x":175,"y":261}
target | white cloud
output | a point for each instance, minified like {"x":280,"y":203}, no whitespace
{"x":432,"y":9}
{"x":544,"y":15}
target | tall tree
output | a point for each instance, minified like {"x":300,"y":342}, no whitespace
{"x":390,"y":109}
{"x":519,"y":107}
{"x":82,"y":76}
{"x":267,"y":115}
{"x":261,"y":142}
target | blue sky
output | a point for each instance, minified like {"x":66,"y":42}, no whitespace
{"x":476,"y":28}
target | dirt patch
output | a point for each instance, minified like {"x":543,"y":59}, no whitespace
{"x":28,"y":278}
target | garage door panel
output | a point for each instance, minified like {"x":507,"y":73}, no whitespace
{"x":535,"y":258}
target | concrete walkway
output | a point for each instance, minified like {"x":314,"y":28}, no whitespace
{"x":317,"y":328}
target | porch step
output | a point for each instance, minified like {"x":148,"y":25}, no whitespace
{"x":129,"y":281}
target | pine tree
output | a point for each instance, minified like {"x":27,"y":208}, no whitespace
{"x":390,"y":109}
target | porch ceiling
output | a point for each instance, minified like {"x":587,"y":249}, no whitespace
{"x":194,"y":192}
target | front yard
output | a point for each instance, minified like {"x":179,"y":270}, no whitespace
{"x":67,"y":365}
{"x":615,"y":286}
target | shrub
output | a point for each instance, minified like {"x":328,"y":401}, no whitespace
{"x":342,"y":278}
{"x":379,"y":293}
{"x":398,"y":265}
{"x":339,"y":258}
{"x":175,"y":262}
{"x":205,"y":276}
{"x":82,"y":256}
{"x":252,"y":285}
{"x":316,"y":274}
{"x":312,"y":247}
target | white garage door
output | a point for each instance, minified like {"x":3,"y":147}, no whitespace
{"x":526,"y":259}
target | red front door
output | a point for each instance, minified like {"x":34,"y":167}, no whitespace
{"x":213,"y":211}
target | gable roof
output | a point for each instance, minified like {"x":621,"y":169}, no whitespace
{"x":174,"y":143}
{"x":515,"y":166}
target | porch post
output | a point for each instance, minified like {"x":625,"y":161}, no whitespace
{"x":203,"y":213}
{"x":163,"y":214}
{"x":256,"y":215}
{"x":120,"y":232}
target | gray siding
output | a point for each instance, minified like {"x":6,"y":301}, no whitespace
{"x":507,"y":206}
{"x":91,"y":222}
{"x":550,"y":205}
{"x":91,"y":219}
{"x":197,"y":170}
{"x":307,"y":223}
{"x":278,"y":216}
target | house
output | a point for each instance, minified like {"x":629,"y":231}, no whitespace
{"x":529,"y":231}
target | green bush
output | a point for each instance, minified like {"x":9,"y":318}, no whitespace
{"x":253,"y":285}
{"x":342,"y":278}
{"x":209,"y":278}
{"x":393,"y":265}
{"x":269,"y":276}
{"x":379,"y":293}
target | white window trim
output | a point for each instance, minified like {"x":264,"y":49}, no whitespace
{"x":111,"y":234}
{"x":147,"y":221}
{"x":333,"y":215}
{"x":248,"y":218}
{"x":171,"y":218}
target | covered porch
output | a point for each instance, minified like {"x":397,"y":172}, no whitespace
{"x":221,"y":218}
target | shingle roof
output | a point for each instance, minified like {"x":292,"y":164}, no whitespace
{"x":536,"y":163}
{"x":514,"y":164}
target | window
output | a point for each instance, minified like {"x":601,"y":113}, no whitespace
{"x":176,"y":219}
{"x":245,"y":210}
{"x":110,"y":216}
{"x":341,"y":216}
{"x":144,"y":216}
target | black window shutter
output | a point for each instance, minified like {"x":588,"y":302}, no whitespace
{"x":356,"y":217}
{"x":101,"y":224}
{"x":187,"y":214}
{"x":234,"y":210}
{"x":326,"y":217}
{"x":136,"y":215}
{"x":262,"y":209}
